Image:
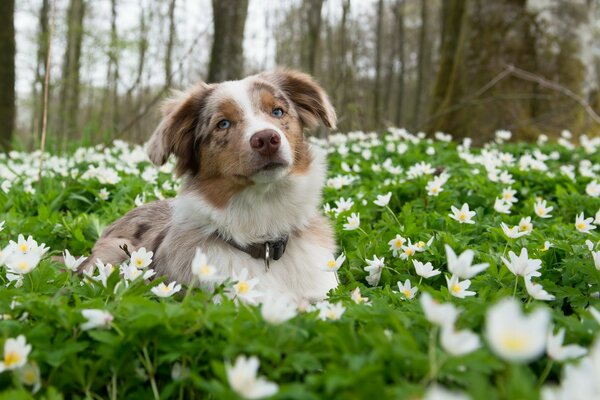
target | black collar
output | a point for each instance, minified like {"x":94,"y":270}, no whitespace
{"x":267,"y":251}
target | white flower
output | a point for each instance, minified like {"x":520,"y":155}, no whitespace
{"x":593,"y":188}
{"x":595,"y":313}
{"x":104,"y":271}
{"x":584,"y":225}
{"x":243,"y":380}
{"x":333,"y":264}
{"x":441,"y":314}
{"x":179,"y":372}
{"x":71,"y":262}
{"x":140,"y":200}
{"x":461,"y":266}
{"x":408,"y":250}
{"x":15,"y":353}
{"x":278,"y":309}
{"x":374,"y":269}
{"x":343,"y":205}
{"x":434,"y":187}
{"x":522,"y":265}
{"x":330,"y":311}
{"x":508,"y":195}
{"x":396,"y":244}
{"x":16,"y":278}
{"x":358,"y":298}
{"x":28,"y":246}
{"x":425,"y":270}
{"x":525,"y":225}
{"x":464,"y":215}
{"x":557,"y":351}
{"x":383,"y":200}
{"x":547,"y":246}
{"x":596,"y":258}
{"x":513,"y":336}
{"x":103,"y":194}
{"x":407,"y":290}
{"x":512,"y":233}
{"x":421,"y":246}
{"x":162,"y":290}
{"x":597,"y":217}
{"x":502,"y":206}
{"x":141,"y":258}
{"x":22,"y":263}
{"x":96,"y":319}
{"x":459,"y":288}
{"x":29,"y":375}
{"x":131,"y":273}
{"x":353,"y":222}
{"x":537,"y":291}
{"x":2,"y":225}
{"x":458,"y":343}
{"x":541,"y":210}
{"x":201,"y":269}
{"x":243,"y":289}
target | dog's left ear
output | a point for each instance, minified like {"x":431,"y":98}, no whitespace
{"x":310,"y":99}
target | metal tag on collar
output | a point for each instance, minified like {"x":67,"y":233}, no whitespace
{"x":267,"y":256}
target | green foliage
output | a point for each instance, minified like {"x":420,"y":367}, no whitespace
{"x":380,"y":350}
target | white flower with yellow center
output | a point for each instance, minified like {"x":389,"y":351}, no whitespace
{"x":358,"y":298}
{"x":162,"y":290}
{"x":244,"y":289}
{"x":464,"y":215}
{"x":96,"y":319}
{"x":408,"y":250}
{"x":333,"y":264}
{"x":202,"y":269}
{"x":522,"y":265}
{"x":508,"y":195}
{"x":525,"y":225}
{"x":243,"y":380}
{"x":421,"y":246}
{"x":584,"y":225}
{"x":541,"y":210}
{"x":513,"y":336}
{"x":330,"y":311}
{"x":502,"y":206}
{"x":396,"y":244}
{"x":15,"y":353}
{"x":29,"y":375}
{"x":71,"y":262}
{"x":512,"y":233}
{"x":141,"y":258}
{"x":353,"y":222}
{"x":593,"y":188}
{"x":26,"y":246}
{"x":407,"y":290}
{"x":374,"y":268}
{"x":103,"y":194}
{"x":343,"y":205}
{"x":22,"y":263}
{"x":459,"y":288}
{"x":547,"y":246}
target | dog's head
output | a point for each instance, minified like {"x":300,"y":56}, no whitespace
{"x":239,"y":133}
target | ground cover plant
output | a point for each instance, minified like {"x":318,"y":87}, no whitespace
{"x":465,"y":273}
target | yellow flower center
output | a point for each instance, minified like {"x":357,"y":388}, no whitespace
{"x":23,"y":266}
{"x":29,"y":377}
{"x":421,"y":244}
{"x":407,"y":293}
{"x":331,"y":315}
{"x":581,"y":225}
{"x":514,"y":343}
{"x":399,"y":242}
{"x":11,"y":358}
{"x":164,"y":288}
{"x":462,"y":216}
{"x":139,"y":262}
{"x":23,"y":247}
{"x":456,"y":288}
{"x":434,"y":189}
{"x":205,"y":270}
{"x":242,"y":287}
{"x":507,"y":196}
{"x":524,"y":227}
{"x":331,"y":264}
{"x":409,"y":251}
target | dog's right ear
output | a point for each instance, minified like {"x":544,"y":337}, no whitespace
{"x":176,"y":132}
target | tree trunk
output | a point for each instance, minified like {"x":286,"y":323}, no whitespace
{"x":399,"y":14}
{"x":421,"y":66}
{"x":227,"y":57}
{"x":71,"y":67}
{"x":378,"y":56}
{"x":170,"y":43}
{"x":40,"y":70}
{"x":313,"y":21}
{"x":110,"y":101}
{"x":7,"y":73}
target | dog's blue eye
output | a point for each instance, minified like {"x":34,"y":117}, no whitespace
{"x":224,"y":124}
{"x":277,"y":112}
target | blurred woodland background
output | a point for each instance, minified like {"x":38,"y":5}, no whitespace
{"x":466,"y":67}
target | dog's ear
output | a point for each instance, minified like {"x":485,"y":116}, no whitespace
{"x":310,"y":99}
{"x":176,"y":132}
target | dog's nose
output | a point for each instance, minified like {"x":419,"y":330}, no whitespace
{"x":265,"y":142}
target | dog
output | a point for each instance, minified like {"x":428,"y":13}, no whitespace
{"x":251,"y":187}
